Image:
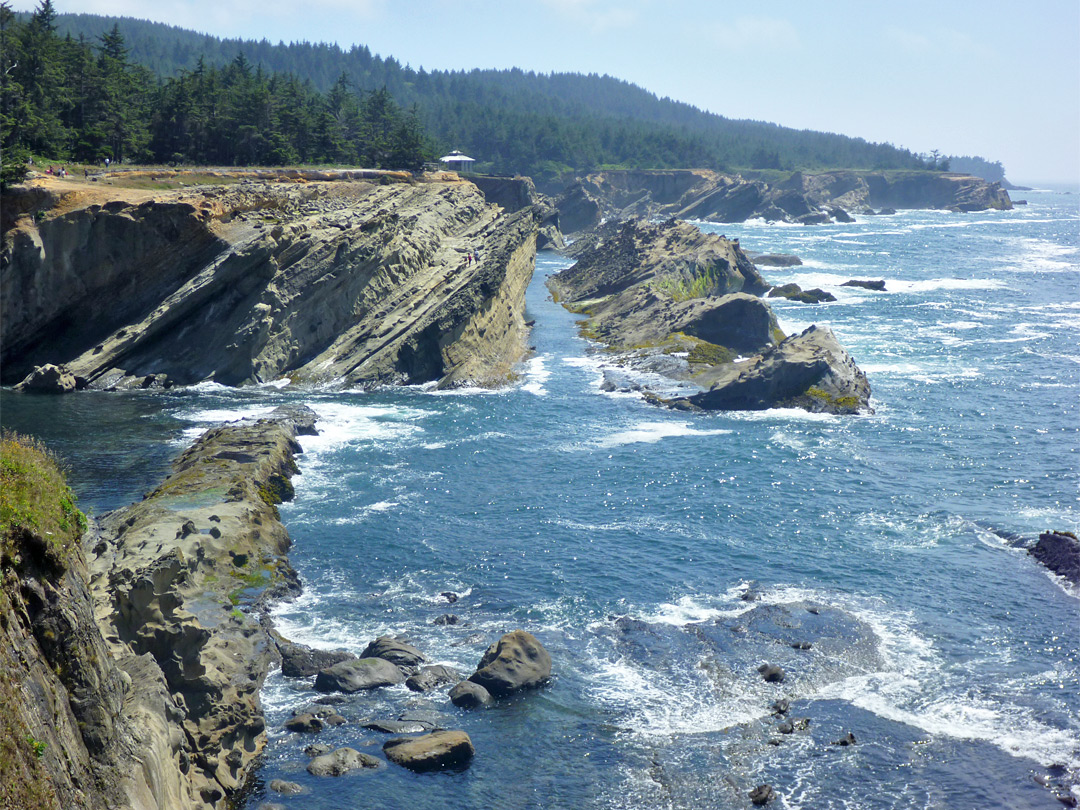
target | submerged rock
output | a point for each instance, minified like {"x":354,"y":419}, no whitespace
{"x":516,"y":661}
{"x":342,"y":761}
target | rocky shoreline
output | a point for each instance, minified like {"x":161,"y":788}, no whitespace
{"x":141,"y":660}
{"x":336,"y":281}
{"x":674,"y":301}
{"x":795,"y":197}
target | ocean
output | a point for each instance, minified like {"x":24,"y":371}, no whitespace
{"x":663,"y":557}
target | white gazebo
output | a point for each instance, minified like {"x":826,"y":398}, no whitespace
{"x":457,"y":161}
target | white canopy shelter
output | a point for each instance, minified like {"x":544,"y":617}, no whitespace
{"x":458,"y":158}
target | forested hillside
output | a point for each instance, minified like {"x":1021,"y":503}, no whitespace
{"x":86,"y":99}
{"x":512,"y":121}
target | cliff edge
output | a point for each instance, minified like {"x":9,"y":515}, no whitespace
{"x":347,"y":282}
{"x":133,"y":657}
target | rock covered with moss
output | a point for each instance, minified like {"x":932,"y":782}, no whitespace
{"x":810,"y":370}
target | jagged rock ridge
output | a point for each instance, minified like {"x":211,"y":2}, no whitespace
{"x":806,"y":198}
{"x":673,"y":300}
{"x":347,"y":282}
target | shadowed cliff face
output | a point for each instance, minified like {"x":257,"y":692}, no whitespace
{"x":344,"y":282}
{"x":799,"y":197}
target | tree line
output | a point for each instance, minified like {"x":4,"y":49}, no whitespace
{"x":91,"y":86}
{"x":71,"y":98}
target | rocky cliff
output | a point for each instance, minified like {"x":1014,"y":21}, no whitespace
{"x":671,"y":300}
{"x":807,"y":198}
{"x":132,"y":680}
{"x":344,"y":281}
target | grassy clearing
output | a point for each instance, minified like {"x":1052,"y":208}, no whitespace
{"x":35,"y":499}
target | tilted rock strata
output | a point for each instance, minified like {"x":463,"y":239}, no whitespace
{"x":810,"y":370}
{"x":166,"y":576}
{"x":131,"y":667}
{"x":671,"y":300}
{"x":348,"y":282}
{"x":798,"y":198}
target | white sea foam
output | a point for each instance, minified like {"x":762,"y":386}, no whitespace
{"x":536,"y":374}
{"x":652,"y":432}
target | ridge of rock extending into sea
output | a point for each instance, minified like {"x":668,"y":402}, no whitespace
{"x":670,"y":299}
{"x":142,"y":662}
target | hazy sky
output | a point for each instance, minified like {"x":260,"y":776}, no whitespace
{"x":997,"y":78}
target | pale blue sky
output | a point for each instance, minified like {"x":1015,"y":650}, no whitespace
{"x":998,"y":78}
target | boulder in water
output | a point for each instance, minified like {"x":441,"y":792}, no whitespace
{"x":341,"y":762}
{"x":810,"y":370}
{"x":363,"y":673}
{"x":469,"y":695}
{"x":48,"y":379}
{"x":431,"y":752}
{"x":429,"y":678}
{"x":516,"y":661}
{"x":395,"y":651}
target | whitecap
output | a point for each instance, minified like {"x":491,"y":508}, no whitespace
{"x":652,"y":432}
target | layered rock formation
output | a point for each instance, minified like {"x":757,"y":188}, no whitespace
{"x":139,"y":671}
{"x":350,"y":282}
{"x":672,"y":300}
{"x":799,"y":197}
{"x":810,"y":370}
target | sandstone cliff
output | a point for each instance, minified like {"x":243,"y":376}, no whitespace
{"x":133,"y":681}
{"x":671,"y":300}
{"x":807,"y":198}
{"x":347,"y":282}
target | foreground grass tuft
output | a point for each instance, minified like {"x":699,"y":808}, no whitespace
{"x":35,"y":501}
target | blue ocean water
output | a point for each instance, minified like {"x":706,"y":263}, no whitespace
{"x":625,"y":537}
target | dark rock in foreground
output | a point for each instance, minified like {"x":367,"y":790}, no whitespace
{"x":469,"y":695}
{"x":810,"y":370}
{"x":431,"y":752}
{"x":1060,"y":552}
{"x":762,"y":794}
{"x":48,"y":379}
{"x":299,"y":661}
{"x":516,"y":661}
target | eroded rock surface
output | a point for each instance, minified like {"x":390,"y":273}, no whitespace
{"x":671,"y":301}
{"x":810,"y":370}
{"x":805,"y":198}
{"x":349,"y":282}
{"x":516,"y":661}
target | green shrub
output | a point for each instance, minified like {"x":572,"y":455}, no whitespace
{"x":35,"y":500}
